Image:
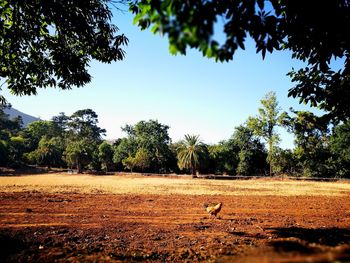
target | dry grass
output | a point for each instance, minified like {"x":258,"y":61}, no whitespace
{"x":64,"y":183}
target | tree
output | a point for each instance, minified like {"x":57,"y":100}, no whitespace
{"x":36,"y":130}
{"x":311,"y":141}
{"x":3,"y":153}
{"x":10,"y":139}
{"x":151,"y":136}
{"x":8,"y":125}
{"x":126,"y":147}
{"x":251,"y":153}
{"x":16,"y":149}
{"x":82,"y":139}
{"x":129,"y":163}
{"x":49,"y":43}
{"x":142,"y":159}
{"x":284,"y":161}
{"x":265,"y":123}
{"x":190,"y":153}
{"x":61,"y":123}
{"x":223,"y":157}
{"x":340,"y":148}
{"x":79,"y":153}
{"x":83,"y":123}
{"x":298,"y":26}
{"x":49,"y":152}
{"x":105,"y":155}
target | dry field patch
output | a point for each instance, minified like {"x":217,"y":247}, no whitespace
{"x":129,"y":218}
{"x":124,"y":184}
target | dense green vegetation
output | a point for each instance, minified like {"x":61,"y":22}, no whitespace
{"x":75,"y":142}
{"x":50,"y":44}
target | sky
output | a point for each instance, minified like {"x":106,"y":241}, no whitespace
{"x":191,"y":94}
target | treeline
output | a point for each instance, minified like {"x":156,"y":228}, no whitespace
{"x":75,"y":142}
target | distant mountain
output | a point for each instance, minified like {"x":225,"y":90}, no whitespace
{"x":13,"y":113}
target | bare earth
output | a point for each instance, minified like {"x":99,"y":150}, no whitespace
{"x":83,"y":218}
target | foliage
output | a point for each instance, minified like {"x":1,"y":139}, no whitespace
{"x":49,"y":152}
{"x":3,"y":153}
{"x":312,"y":143}
{"x":223,"y":157}
{"x":76,"y":141}
{"x":105,"y":155}
{"x":284,"y":161}
{"x":83,"y":123}
{"x":153,"y":137}
{"x":11,"y":144}
{"x":340,"y":148}
{"x":251,"y":155}
{"x":83,"y":138}
{"x":298,"y":26}
{"x":16,"y":149}
{"x":79,"y":153}
{"x":264,"y":125}
{"x":36,"y":130}
{"x":125,"y":148}
{"x":190,"y":153}
{"x":8,"y":126}
{"x":49,"y":43}
{"x":142,"y":159}
{"x":129,"y":163}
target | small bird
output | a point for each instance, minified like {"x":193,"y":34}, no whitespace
{"x":214,"y":209}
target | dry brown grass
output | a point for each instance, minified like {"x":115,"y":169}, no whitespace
{"x":124,"y":184}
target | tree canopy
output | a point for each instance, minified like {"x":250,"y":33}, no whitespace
{"x":49,"y":43}
{"x":314,"y":31}
{"x":153,"y":138}
{"x":264,"y":124}
{"x":190,"y":153}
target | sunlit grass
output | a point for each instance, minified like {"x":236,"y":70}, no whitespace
{"x":119,"y":184}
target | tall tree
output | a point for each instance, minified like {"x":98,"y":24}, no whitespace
{"x":299,"y":26}
{"x":49,"y":43}
{"x":83,"y":123}
{"x":264,"y":124}
{"x":190,"y":153}
{"x":83,"y":138}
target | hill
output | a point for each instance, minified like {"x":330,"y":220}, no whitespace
{"x":13,"y":113}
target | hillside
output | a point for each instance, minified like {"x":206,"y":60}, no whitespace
{"x":13,"y":113}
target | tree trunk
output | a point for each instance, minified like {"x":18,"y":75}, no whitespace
{"x":106,"y":169}
{"x":79,"y":169}
{"x":270,"y":156}
{"x":194,"y":170}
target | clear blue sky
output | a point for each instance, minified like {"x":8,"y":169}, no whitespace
{"x":191,"y":94}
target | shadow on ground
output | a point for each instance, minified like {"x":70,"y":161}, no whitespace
{"x":322,"y":236}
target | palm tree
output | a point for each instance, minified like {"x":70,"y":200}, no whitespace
{"x":190,"y":153}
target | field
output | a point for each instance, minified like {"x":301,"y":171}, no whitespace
{"x":84,"y":218}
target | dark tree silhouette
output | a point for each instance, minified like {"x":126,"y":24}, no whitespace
{"x":49,"y":43}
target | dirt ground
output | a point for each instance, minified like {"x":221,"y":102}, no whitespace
{"x":38,"y":224}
